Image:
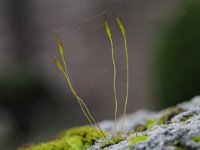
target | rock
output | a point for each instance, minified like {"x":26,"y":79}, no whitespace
{"x":176,"y":128}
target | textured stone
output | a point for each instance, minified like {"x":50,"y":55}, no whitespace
{"x":170,"y":129}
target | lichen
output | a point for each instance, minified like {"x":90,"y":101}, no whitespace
{"x":196,"y":139}
{"x":137,"y":139}
{"x":73,"y":139}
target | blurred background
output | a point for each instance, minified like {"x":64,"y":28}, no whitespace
{"x":35,"y":103}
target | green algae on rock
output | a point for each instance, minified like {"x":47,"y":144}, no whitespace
{"x":150,"y":123}
{"x":73,"y":139}
{"x":137,"y":139}
{"x":196,"y":139}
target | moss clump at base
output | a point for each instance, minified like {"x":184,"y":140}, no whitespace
{"x":196,"y":139}
{"x":73,"y":139}
{"x":137,"y":139}
{"x":111,"y":141}
{"x":87,"y":133}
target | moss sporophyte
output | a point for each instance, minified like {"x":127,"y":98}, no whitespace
{"x":64,"y":70}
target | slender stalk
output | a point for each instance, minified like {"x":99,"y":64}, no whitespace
{"x":114,"y":71}
{"x":127,"y":67}
{"x":83,"y":106}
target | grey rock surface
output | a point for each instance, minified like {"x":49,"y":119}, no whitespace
{"x":170,"y":129}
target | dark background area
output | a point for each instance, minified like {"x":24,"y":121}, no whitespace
{"x":35,"y":103}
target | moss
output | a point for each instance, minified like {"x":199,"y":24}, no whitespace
{"x":72,"y":139}
{"x":129,"y":133}
{"x":140,"y":128}
{"x":177,"y":145}
{"x":87,"y":132}
{"x":169,"y":114}
{"x":143,"y":127}
{"x":150,"y":123}
{"x":196,"y":139}
{"x":137,"y":139}
{"x":112,"y":141}
{"x":55,"y":145}
{"x":186,"y":117}
{"x":179,"y":148}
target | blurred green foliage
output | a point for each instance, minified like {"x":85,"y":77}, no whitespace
{"x":22,"y":92}
{"x":18,"y":86}
{"x":178,"y":56}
